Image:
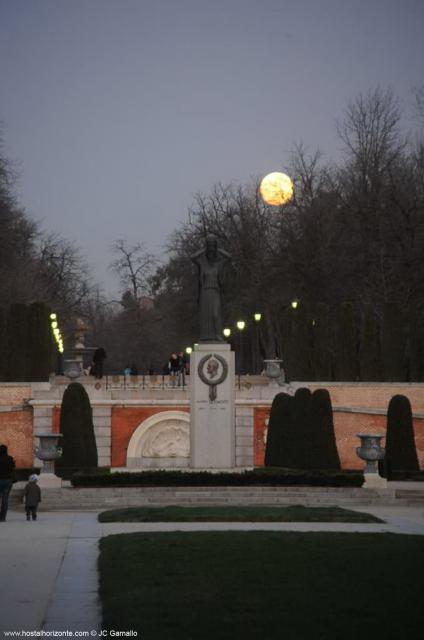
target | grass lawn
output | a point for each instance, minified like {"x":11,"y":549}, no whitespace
{"x":263,"y":585}
{"x":295,"y":513}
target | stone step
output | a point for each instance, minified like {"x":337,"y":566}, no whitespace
{"x":113,"y":497}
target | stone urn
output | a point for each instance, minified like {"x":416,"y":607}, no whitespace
{"x":370,"y":450}
{"x":72,"y":369}
{"x":273,"y":370}
{"x":49,"y":450}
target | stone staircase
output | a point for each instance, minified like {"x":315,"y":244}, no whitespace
{"x":69,"y":498}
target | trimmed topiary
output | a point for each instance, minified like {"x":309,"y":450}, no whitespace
{"x":322,"y":451}
{"x":369,"y":349}
{"x":17,"y":332}
{"x":280,"y":422}
{"x":76,"y":425}
{"x":39,"y":343}
{"x":401,"y":453}
{"x":297,"y":448}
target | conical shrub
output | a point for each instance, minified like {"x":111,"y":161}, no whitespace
{"x":298,"y":445}
{"x":401,"y":453}
{"x":280,"y":422}
{"x":322,"y":451}
{"x":76,"y":426}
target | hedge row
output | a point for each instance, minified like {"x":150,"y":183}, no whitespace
{"x":257,"y":477}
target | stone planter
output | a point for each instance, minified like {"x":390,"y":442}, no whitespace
{"x":370,"y":450}
{"x":48,"y":451}
{"x":72,"y":369}
{"x":273,"y":371}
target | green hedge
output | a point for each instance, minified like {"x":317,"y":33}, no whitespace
{"x":258,"y":477}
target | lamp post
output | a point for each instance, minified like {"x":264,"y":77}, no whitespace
{"x":226,"y":332}
{"x":240,"y":326}
{"x":257,"y":317}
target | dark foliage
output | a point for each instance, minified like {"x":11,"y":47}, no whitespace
{"x":261,"y":477}
{"x":279,"y":427}
{"x":39,"y":343}
{"x":297,"y":449}
{"x":323,"y":344}
{"x":393,"y":343}
{"x":346,"y":347}
{"x":76,"y":425}
{"x":4,"y":354}
{"x":17,"y":332}
{"x":298,"y":343}
{"x":401,"y":454}
{"x":369,"y":352}
{"x":322,"y":452}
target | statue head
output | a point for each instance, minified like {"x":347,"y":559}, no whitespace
{"x":211,"y":246}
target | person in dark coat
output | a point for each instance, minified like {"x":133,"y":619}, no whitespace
{"x":7,"y":465}
{"x":32,"y":495}
{"x":99,"y":357}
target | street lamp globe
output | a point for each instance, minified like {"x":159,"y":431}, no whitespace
{"x":257,"y":316}
{"x":227,"y":332}
{"x":240,"y":325}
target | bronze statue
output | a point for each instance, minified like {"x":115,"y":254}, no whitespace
{"x":210,"y":262}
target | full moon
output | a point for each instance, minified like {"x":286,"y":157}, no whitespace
{"x":276,"y":188}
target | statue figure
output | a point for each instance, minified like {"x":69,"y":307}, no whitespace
{"x":210,"y":262}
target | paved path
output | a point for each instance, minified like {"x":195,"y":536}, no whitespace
{"x":48,"y":568}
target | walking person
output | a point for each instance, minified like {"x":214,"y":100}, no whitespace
{"x":32,"y":495}
{"x":7,"y":465}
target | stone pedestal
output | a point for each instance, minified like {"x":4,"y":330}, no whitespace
{"x":49,"y":481}
{"x":374,"y":481}
{"x":212,"y":398}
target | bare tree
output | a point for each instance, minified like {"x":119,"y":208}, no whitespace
{"x":134,"y":267}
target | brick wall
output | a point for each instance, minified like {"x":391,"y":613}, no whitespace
{"x":16,"y":422}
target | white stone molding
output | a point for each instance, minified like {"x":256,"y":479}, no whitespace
{"x":165,"y":435}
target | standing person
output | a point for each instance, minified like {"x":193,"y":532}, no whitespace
{"x":181,"y":368}
{"x":7,"y":465}
{"x":173,"y":367}
{"x":32,"y":494}
{"x":97,"y":367}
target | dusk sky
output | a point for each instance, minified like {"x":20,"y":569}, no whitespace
{"x":116,"y":112}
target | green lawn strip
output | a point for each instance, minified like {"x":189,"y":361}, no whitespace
{"x":294,"y":513}
{"x":253,"y":585}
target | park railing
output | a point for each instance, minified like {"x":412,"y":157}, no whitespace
{"x":141,"y":382}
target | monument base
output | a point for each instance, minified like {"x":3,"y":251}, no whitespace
{"x":212,"y":399}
